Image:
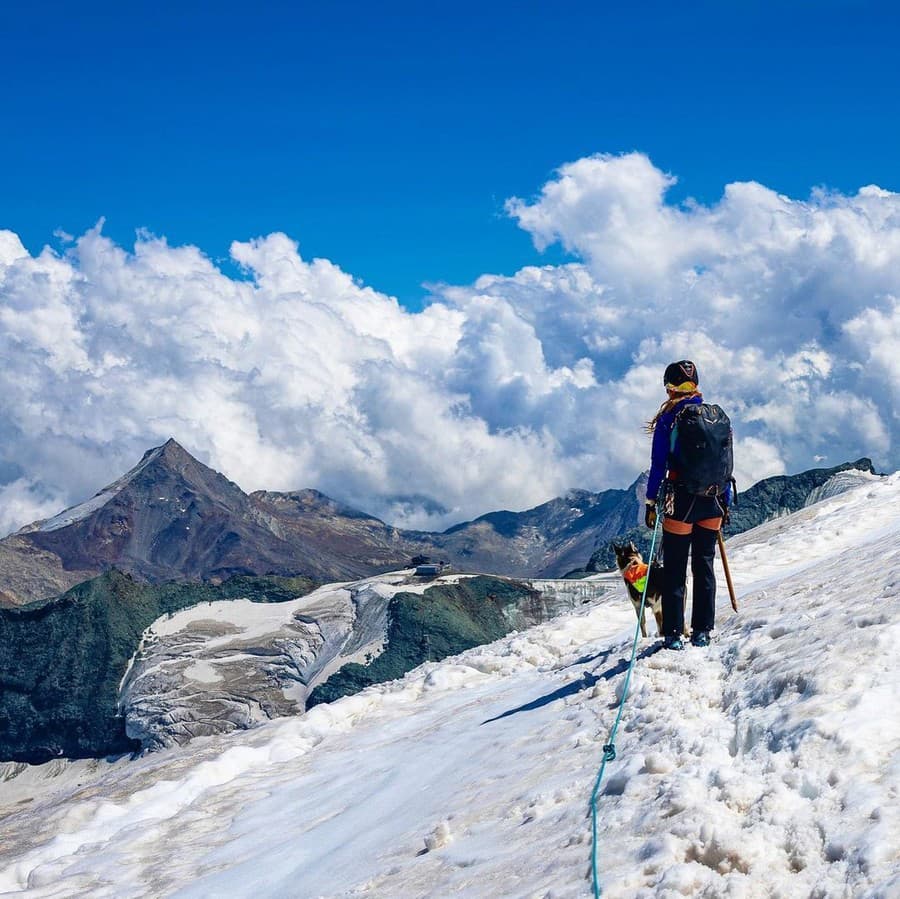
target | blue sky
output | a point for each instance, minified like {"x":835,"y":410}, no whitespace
{"x":386,"y":137}
{"x":388,"y":140}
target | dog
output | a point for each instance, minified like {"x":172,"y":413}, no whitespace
{"x":633,"y":569}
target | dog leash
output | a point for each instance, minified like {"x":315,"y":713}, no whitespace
{"x":609,"y":748}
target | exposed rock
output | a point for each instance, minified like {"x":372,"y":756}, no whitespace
{"x":169,"y":518}
{"x":28,"y":573}
{"x":545,"y":541}
{"x":62,"y":662}
{"x":344,"y":542}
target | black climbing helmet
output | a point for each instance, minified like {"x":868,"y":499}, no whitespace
{"x":680,"y":373}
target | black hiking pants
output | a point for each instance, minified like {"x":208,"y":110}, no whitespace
{"x":700,"y":544}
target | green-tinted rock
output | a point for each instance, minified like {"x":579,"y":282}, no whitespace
{"x":61,"y":661}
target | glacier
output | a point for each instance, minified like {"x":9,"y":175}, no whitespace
{"x":766,"y":765}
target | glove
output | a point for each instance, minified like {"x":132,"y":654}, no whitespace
{"x":724,"y":505}
{"x":726,"y":514}
{"x":650,"y":514}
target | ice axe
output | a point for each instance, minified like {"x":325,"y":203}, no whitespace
{"x":727,"y":571}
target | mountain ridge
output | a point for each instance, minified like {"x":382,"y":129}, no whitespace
{"x":172,"y":518}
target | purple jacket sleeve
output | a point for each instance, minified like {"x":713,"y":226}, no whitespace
{"x":659,"y":456}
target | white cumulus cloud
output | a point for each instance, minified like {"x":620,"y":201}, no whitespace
{"x":498,"y":394}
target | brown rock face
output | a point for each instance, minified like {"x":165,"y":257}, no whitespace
{"x":169,"y":518}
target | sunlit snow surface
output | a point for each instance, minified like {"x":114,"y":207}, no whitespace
{"x":764,"y":766}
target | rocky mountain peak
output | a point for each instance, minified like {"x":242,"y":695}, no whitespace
{"x":169,"y":517}
{"x":307,"y":503}
{"x":173,"y":459}
{"x":158,"y":465}
{"x":173,"y":453}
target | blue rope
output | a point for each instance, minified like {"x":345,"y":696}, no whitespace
{"x":609,"y":748}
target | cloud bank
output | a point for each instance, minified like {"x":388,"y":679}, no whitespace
{"x":499,"y":394}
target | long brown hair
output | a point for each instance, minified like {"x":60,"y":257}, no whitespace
{"x":675,"y":397}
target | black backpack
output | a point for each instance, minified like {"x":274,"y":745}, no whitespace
{"x":701,"y":449}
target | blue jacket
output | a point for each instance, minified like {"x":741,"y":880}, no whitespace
{"x":659,"y":454}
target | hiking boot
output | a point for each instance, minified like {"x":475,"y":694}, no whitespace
{"x":701,"y":638}
{"x":673,"y":641}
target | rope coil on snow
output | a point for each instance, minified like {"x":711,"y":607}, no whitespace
{"x":609,"y":749}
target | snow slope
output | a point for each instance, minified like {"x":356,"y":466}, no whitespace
{"x":99,"y":500}
{"x":767,"y":765}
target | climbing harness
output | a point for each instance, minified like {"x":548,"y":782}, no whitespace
{"x":609,"y":748}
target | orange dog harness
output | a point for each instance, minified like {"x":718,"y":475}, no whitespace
{"x":636,"y":575}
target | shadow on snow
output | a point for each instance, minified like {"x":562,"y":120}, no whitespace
{"x":587,"y":680}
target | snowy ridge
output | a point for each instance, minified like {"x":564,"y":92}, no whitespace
{"x":841,"y":483}
{"x":767,"y":765}
{"x":87,"y":508}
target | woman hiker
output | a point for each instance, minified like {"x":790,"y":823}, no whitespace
{"x":691,"y":521}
